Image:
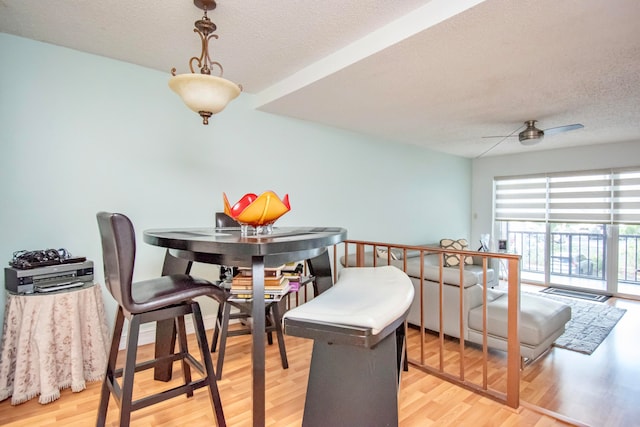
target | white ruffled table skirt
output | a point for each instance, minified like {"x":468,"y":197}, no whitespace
{"x":51,"y":342}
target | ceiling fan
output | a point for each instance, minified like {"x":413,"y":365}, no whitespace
{"x":532,"y":135}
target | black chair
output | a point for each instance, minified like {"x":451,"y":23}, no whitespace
{"x":320,"y":276}
{"x":221,"y":332}
{"x":166,"y":297}
{"x":320,"y":269}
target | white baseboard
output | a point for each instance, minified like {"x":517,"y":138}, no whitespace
{"x":148,"y":330}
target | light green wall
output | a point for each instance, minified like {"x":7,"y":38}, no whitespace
{"x":81,"y":133}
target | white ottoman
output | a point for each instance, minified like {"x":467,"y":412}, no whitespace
{"x":542,"y":321}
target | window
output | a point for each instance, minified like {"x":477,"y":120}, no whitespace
{"x":565,"y":224}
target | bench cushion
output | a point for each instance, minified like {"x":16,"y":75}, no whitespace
{"x":365,"y":297}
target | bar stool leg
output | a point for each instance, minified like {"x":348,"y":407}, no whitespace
{"x":275,"y":311}
{"x":214,"y":394}
{"x":184,"y":349}
{"x":223,"y":339}
{"x":105,"y":394}
{"x":129,"y":370}
{"x":216,"y":329}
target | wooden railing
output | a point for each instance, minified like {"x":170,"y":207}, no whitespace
{"x":509,"y":393}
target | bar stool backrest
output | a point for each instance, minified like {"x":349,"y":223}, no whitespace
{"x":320,"y":268}
{"x":223,"y":220}
{"x":118,"y":255}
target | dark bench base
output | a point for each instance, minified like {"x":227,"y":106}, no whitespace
{"x":352,"y":385}
{"x":355,"y":373}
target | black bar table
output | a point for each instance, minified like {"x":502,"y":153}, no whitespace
{"x":227,"y":246}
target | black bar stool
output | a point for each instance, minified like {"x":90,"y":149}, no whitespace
{"x":166,"y":297}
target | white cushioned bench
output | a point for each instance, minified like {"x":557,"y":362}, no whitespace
{"x":358,"y":332}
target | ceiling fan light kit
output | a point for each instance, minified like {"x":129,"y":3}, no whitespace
{"x":531,"y":135}
{"x":203,"y":93}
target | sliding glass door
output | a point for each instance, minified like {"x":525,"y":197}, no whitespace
{"x":628,"y":265}
{"x":578,"y":255}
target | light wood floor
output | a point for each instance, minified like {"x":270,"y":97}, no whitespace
{"x":598,"y":390}
{"x":424,"y":400}
{"x":601,"y":389}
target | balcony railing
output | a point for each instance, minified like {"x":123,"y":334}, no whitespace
{"x":581,"y":255}
{"x":629,"y":259}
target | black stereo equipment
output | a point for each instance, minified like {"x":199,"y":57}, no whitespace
{"x":48,"y":278}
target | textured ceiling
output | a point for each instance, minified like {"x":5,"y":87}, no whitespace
{"x":439,"y":73}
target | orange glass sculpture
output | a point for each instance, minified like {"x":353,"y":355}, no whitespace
{"x":259,"y":212}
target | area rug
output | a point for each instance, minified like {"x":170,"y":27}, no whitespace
{"x":576,"y":294}
{"x":589,"y":325}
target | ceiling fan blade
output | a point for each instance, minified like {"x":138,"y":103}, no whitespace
{"x":504,"y":138}
{"x":559,"y":129}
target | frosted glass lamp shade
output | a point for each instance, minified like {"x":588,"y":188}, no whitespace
{"x":205,"y":94}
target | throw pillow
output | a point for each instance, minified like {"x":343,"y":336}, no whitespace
{"x":382,"y":253}
{"x":453,"y":260}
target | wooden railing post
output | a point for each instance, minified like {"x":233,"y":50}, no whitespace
{"x":359,"y":255}
{"x":513,"y":339}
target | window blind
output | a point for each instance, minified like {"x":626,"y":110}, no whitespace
{"x":579,"y":198}
{"x":521,"y":199}
{"x":626,"y":197}
{"x":601,"y":197}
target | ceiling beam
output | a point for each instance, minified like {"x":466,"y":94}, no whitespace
{"x":425,"y":17}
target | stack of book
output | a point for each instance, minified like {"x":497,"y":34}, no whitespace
{"x":276,"y":285}
{"x":292,"y":272}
